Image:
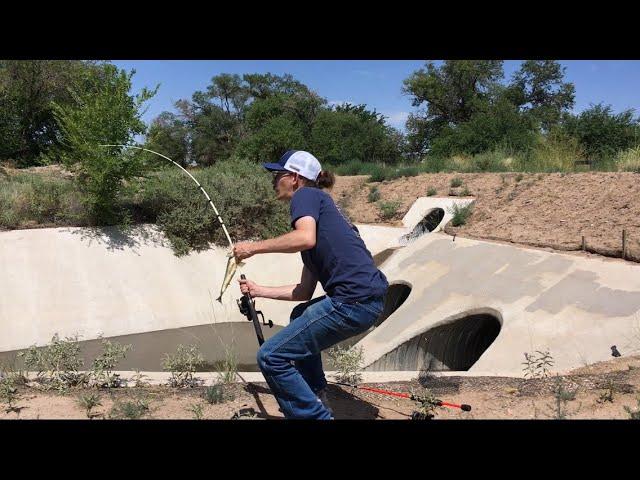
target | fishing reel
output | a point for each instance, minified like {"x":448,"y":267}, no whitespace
{"x":247,"y":308}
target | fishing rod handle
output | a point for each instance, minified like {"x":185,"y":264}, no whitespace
{"x":242,"y":277}
{"x":253,"y":315}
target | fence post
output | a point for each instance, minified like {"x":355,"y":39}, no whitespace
{"x":624,"y":244}
{"x":584,"y":244}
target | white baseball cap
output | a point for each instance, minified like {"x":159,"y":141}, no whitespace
{"x":297,"y":161}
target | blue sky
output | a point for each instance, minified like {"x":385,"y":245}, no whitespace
{"x":377,"y":83}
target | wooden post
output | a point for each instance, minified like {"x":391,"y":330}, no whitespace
{"x":584,"y":244}
{"x":624,"y":244}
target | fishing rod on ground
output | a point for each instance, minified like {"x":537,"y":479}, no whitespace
{"x":426,"y":400}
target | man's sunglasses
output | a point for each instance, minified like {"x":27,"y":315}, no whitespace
{"x":277,"y":176}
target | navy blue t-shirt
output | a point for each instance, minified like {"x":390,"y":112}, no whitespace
{"x":340,"y":260}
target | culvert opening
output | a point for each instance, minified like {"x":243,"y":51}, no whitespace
{"x":397,"y":293}
{"x":428,"y":224}
{"x":456,"y":345}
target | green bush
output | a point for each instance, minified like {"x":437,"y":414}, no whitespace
{"x":628,"y":160}
{"x":555,"y":152}
{"x":242,"y":193}
{"x":57,"y":363}
{"x":389,"y":210}
{"x":129,"y":409}
{"x":39,"y":199}
{"x":88,"y":402}
{"x":353,"y":167}
{"x":456,"y":182}
{"x":347,"y":362}
{"x":408,"y":172}
{"x":379,"y":173}
{"x":103,"y":366}
{"x":8,"y":395}
{"x":374,"y":195}
{"x":214,"y":394}
{"x":602,"y":133}
{"x":460,"y":214}
{"x":434,"y":164}
{"x":490,"y":161}
{"x":431,"y":191}
{"x":197,"y":411}
{"x":183,"y":365}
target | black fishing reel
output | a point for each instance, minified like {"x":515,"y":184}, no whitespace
{"x":247,"y":308}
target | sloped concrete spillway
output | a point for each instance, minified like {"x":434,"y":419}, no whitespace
{"x":454,"y":345}
{"x":148,"y":350}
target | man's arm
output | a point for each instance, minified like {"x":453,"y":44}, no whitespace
{"x":302,"y":238}
{"x":299,"y":292}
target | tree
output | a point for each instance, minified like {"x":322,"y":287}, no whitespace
{"x":498,"y":124}
{"x":452,"y":92}
{"x":352,"y":132}
{"x":215,"y":133}
{"x":278,"y":102}
{"x":102,"y":113}
{"x":538,"y":88}
{"x":230,"y":91}
{"x":27,"y":90}
{"x":169,"y":135}
{"x":277,"y":135}
{"x":601,"y":132}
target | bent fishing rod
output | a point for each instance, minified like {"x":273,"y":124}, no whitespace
{"x":192,"y":178}
{"x":232,"y":264}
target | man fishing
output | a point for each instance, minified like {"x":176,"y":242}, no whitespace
{"x":334,"y":254}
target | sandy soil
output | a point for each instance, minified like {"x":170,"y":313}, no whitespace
{"x":601,"y":390}
{"x":544,"y":210}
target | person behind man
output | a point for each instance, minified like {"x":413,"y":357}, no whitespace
{"x":332,"y":253}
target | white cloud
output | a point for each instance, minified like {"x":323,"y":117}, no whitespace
{"x":396,"y":119}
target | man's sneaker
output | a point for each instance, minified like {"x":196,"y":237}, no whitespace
{"x":322,"y":397}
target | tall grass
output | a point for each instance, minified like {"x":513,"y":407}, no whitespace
{"x":29,"y":199}
{"x":628,"y":160}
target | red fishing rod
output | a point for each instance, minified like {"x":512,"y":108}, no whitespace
{"x":415,"y":398}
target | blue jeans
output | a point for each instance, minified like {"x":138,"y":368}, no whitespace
{"x":290,"y":360}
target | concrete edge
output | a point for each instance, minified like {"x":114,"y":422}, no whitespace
{"x":210,"y":378}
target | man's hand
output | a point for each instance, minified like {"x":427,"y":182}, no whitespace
{"x":242,"y":250}
{"x":247,"y":286}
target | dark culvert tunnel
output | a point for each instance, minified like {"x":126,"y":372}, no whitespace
{"x":397,"y":293}
{"x":428,"y":224}
{"x":455,"y":345}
